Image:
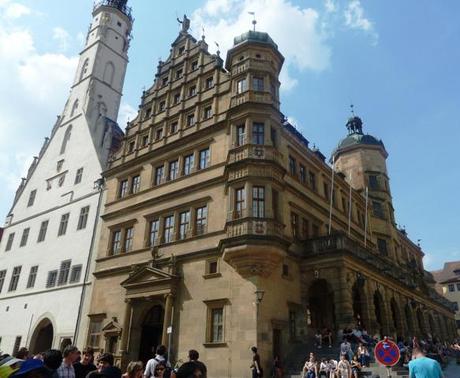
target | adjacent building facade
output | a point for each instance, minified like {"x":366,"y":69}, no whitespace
{"x":45,"y":254}
{"x":215,"y":232}
{"x":448,"y":285}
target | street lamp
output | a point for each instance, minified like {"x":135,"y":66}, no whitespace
{"x":259,"y":296}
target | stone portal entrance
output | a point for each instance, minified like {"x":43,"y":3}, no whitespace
{"x":151,"y":334}
{"x":42,"y":338}
{"x":321,"y":305}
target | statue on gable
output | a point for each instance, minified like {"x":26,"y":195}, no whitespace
{"x":185,"y":23}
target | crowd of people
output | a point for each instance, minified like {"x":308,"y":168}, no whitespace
{"x":72,"y":363}
{"x":356,"y":351}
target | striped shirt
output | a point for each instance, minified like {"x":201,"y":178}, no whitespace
{"x":66,"y":371}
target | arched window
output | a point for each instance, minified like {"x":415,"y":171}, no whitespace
{"x":66,"y":138}
{"x":84,"y":69}
{"x":74,"y":108}
{"x":109,"y":72}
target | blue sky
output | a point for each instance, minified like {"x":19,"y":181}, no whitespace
{"x":396,"y":61}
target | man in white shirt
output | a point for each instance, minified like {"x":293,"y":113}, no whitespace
{"x":66,"y":369}
{"x":153,"y":362}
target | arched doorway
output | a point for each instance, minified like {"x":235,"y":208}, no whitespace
{"x":358,"y":302}
{"x":421,"y":322}
{"x":410,"y":326}
{"x":321,"y":305}
{"x":395,"y":316}
{"x":152,"y":330}
{"x":379,"y":315}
{"x":42,"y":337}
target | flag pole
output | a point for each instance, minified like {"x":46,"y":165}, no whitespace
{"x":331,"y":196}
{"x":349,"y":206}
{"x":365,"y":218}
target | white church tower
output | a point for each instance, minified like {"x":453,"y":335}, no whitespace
{"x":46,"y":250}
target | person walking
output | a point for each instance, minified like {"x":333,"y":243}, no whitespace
{"x":257,"y":371}
{"x":66,"y":369}
{"x":189,"y":369}
{"x":423,"y":367}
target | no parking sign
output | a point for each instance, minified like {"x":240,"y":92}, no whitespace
{"x":387,"y":353}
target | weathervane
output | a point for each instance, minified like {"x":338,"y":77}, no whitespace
{"x":217,"y":52}
{"x":254,"y":22}
{"x":352,"y":110}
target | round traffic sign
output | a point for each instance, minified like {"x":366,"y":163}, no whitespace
{"x":387,"y":352}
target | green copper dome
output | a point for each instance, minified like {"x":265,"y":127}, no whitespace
{"x":356,"y":136}
{"x":255,"y":36}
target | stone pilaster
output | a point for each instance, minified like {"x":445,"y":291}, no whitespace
{"x":167,"y":318}
{"x":343,"y":300}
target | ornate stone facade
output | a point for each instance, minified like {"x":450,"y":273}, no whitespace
{"x":214,"y":198}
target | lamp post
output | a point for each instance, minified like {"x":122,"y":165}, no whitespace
{"x":259,"y":296}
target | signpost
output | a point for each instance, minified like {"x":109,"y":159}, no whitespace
{"x":387,"y":353}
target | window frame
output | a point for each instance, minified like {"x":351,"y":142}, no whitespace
{"x":83,"y":218}
{"x":204,"y":162}
{"x":78,"y":176}
{"x":15,"y":277}
{"x":258,"y":201}
{"x":32,"y":196}
{"x":42,"y":231}
{"x":258,"y":133}
{"x":51,"y":279}
{"x":63,"y":223}
{"x":24,"y":237}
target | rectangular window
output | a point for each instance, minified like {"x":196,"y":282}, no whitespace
{"x":63,"y":224}
{"x":191,"y":119}
{"x":192,"y":91}
{"x":305,"y":228}
{"x":292,"y":166}
{"x":382,"y":246}
{"x":116,"y":242}
{"x":159,"y":175}
{"x":173,"y":170}
{"x":240,"y":135}
{"x":212,"y":267}
{"x":78,"y":176}
{"x":52,"y":278}
{"x":32,"y":195}
{"x":217,"y":325}
{"x":189,"y":162}
{"x":176,"y":98}
{"x":312,"y":180}
{"x":75,"y":274}
{"x":149,"y":110}
{"x":24,"y":237}
{"x":123,"y":191}
{"x":201,"y":220}
{"x":32,"y":276}
{"x":173,"y":127}
{"x":94,"y":333}
{"x":258,"y":132}
{"x":377,"y":210}
{"x":131,"y":146}
{"x":451,"y":288}
{"x":9,"y":243}
{"x":240,"y":202}
{"x":207,"y":113}
{"x":194,"y":65}
{"x":164,"y":81}
{"x":135,"y":184}
{"x":258,"y":202}
{"x":373,"y":183}
{"x":159,"y":134}
{"x":168,"y":232}
{"x":241,"y":86}
{"x":204,"y":158}
{"x":184,"y":223}
{"x":326,"y":190}
{"x":64,"y":271}
{"x":2,"y":279}
{"x":83,"y":218}
{"x":302,"y":174}
{"x":145,"y":140}
{"x":129,"y":235}
{"x":209,"y":82}
{"x":179,"y":73}
{"x":153,"y":232}
{"x":162,"y":106}
{"x":295,"y":225}
{"x":15,"y":278}
{"x":42,"y":232}
{"x":258,"y":83}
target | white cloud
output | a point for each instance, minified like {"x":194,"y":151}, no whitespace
{"x":127,"y":113}
{"x":14,"y":10}
{"x":330,"y":5}
{"x":62,"y":37}
{"x":34,"y":89}
{"x":355,"y":19}
{"x":300,"y":39}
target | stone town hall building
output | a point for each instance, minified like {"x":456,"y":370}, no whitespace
{"x":215,"y":199}
{"x":45,"y":254}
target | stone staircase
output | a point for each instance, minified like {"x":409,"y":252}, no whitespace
{"x":299,"y":353}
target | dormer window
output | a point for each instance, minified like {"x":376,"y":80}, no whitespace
{"x":164,"y":81}
{"x":181,"y":50}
